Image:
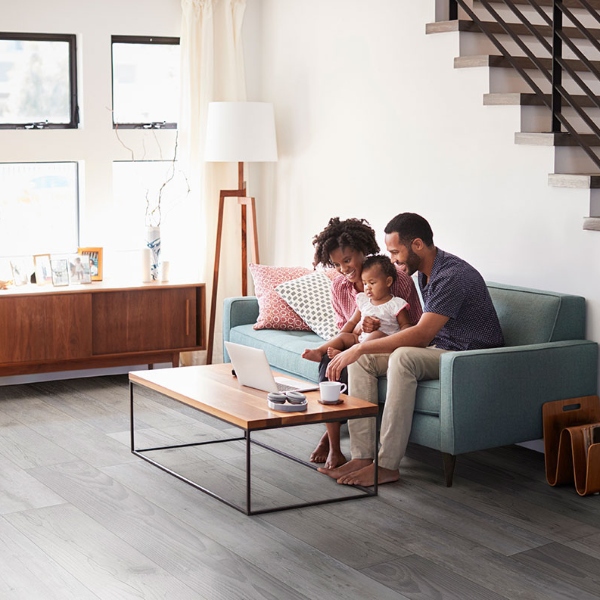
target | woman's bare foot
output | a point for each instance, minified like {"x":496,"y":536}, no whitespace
{"x":313,"y":354}
{"x":354,"y":465}
{"x":335,"y":458}
{"x":366,"y":476}
{"x":331,"y":352}
{"x":321,"y":453}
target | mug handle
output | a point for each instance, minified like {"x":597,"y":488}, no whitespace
{"x":344,"y":388}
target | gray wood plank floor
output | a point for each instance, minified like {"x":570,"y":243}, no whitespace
{"x":81,"y":517}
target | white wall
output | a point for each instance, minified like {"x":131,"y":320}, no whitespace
{"x":374,"y":120}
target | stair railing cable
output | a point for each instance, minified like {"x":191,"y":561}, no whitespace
{"x":558,"y":64}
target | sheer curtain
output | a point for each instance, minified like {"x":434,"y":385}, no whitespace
{"x":212,"y":71}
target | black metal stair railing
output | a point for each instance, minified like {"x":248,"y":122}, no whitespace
{"x":559,"y":97}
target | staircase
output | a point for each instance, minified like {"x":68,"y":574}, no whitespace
{"x":544,"y":56}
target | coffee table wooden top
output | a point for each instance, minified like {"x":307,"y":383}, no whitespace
{"x":215,"y":391}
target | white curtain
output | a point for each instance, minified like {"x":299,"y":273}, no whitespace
{"x":212,"y":71}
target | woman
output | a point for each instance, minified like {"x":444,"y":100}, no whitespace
{"x":345,"y":245}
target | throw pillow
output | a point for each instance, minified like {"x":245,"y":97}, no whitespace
{"x":310,"y":297}
{"x":273,"y":311}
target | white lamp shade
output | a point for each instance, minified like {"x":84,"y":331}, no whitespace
{"x":240,"y":132}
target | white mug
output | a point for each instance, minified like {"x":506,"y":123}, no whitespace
{"x":331,"y":390}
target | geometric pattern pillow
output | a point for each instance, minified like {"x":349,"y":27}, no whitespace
{"x":273,"y":311}
{"x":310,"y":297}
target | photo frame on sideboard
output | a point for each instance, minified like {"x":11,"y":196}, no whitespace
{"x":20,"y":270}
{"x":60,"y":272}
{"x":95,"y":255}
{"x":80,"y":268}
{"x":43,"y":269}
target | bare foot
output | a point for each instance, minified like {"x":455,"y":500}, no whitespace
{"x":335,"y":458}
{"x":366,"y":476}
{"x":354,"y":465}
{"x":331,"y":352}
{"x":321,"y":452}
{"x":313,"y":354}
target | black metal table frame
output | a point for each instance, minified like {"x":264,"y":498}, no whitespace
{"x":367,"y":492}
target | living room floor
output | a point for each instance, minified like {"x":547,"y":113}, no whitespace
{"x":81,"y":517}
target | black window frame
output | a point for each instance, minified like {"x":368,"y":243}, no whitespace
{"x":138,"y":39}
{"x":71,"y":40}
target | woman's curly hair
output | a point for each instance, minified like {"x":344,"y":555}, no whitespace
{"x":350,"y":233}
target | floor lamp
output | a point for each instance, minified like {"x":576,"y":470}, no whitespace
{"x":237,"y":132}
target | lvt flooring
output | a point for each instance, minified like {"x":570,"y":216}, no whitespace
{"x":83,"y":518}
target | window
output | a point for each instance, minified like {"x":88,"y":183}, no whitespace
{"x":137,"y":187}
{"x":145,"y":82}
{"x":38,"y":81}
{"x":38,"y":208}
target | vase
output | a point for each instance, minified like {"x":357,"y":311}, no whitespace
{"x":153,"y":244}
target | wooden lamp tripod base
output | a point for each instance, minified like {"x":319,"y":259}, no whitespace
{"x":248,"y":213}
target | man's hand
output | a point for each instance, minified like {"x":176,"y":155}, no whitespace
{"x":370,"y":324}
{"x":342,"y":360}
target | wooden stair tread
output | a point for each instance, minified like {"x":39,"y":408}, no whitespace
{"x":494,"y":60}
{"x":497,"y":29}
{"x":554,"y":139}
{"x":591,"y":223}
{"x":530,"y":99}
{"x":583,"y":181}
{"x":568,"y":3}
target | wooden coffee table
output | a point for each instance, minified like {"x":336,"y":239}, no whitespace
{"x":214,"y":391}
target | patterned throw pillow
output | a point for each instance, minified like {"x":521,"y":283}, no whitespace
{"x":273,"y":311}
{"x":310,"y":297}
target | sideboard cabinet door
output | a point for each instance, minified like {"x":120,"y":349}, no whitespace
{"x":141,"y":320}
{"x":45,"y":327}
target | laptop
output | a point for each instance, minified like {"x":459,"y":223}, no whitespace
{"x":253,"y":370}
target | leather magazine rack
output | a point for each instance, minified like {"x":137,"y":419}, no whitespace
{"x":572,"y":443}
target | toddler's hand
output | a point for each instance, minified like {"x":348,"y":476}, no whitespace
{"x":370,"y":324}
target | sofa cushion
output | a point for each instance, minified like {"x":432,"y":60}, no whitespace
{"x":535,"y":317}
{"x":310,"y":297}
{"x":428,"y":396}
{"x":274,"y":311}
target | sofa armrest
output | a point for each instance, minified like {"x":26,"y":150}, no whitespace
{"x":493,"y":397}
{"x":238,"y":310}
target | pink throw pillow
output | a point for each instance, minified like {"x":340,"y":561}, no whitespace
{"x":273,"y":311}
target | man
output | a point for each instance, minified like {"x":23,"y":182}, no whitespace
{"x":458,"y":314}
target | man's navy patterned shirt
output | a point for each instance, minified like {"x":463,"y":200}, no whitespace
{"x":457,"y":290}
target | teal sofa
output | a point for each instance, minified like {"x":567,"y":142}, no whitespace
{"x":483,"y":398}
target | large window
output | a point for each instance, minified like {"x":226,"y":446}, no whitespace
{"x":38,"y":81}
{"x":144,"y":192}
{"x":145,"y":81}
{"x":38,"y":208}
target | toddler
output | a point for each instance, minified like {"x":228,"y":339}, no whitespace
{"x":378,"y":275}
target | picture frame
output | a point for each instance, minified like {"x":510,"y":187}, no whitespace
{"x":60,"y":272}
{"x":80,"y":270}
{"x":20,"y":270}
{"x":43,"y":269}
{"x":95,"y":255}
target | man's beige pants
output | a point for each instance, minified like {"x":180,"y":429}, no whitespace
{"x":405,"y":367}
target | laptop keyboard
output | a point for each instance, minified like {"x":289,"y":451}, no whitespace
{"x":282,"y":387}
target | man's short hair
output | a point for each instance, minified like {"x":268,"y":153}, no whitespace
{"x":410,"y":226}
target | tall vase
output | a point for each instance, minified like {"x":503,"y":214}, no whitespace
{"x":153,"y":243}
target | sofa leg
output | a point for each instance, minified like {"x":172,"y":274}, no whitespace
{"x":449,"y":463}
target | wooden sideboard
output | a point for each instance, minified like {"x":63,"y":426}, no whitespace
{"x":96,"y":325}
